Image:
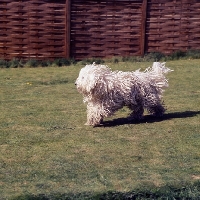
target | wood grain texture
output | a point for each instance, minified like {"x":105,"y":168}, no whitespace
{"x":172,"y":25}
{"x":32,"y":29}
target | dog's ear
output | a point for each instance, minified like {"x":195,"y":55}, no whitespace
{"x":99,"y":87}
{"x":89,"y":83}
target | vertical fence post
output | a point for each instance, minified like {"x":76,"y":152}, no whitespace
{"x":67,"y":28}
{"x":143,"y":27}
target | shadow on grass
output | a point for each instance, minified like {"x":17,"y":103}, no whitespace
{"x":150,"y":118}
{"x":192,"y":191}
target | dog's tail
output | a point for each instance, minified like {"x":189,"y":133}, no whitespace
{"x":155,"y":75}
{"x":160,"y":68}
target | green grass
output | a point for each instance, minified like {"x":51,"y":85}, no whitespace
{"x":46,"y":152}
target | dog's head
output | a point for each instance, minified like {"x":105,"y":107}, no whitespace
{"x":91,"y":79}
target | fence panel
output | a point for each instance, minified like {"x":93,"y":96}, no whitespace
{"x":172,"y":25}
{"x":32,"y":29}
{"x":105,"y":28}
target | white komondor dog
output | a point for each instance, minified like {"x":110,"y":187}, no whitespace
{"x":107,"y":91}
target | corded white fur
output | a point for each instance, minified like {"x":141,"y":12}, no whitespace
{"x":105,"y":91}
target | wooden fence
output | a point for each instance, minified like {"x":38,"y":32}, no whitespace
{"x":32,"y":29}
{"x":172,"y":25}
{"x":50,"y":29}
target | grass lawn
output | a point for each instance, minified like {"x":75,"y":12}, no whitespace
{"x":46,"y":152}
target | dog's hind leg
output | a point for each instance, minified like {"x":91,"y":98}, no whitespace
{"x":137,"y":112}
{"x":157,"y":110}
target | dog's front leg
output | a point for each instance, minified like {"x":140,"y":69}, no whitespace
{"x":94,"y":116}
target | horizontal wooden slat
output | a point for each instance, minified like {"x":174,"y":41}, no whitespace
{"x":172,"y":25}
{"x":32,"y":29}
{"x":108,"y":28}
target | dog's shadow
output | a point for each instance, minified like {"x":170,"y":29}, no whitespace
{"x":150,"y":118}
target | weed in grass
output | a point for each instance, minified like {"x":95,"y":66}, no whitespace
{"x":115,"y":60}
{"x":193,"y":54}
{"x":92,"y":60}
{"x":45,"y":63}
{"x":177,"y":55}
{"x":157,"y":56}
{"x":131,"y":59}
{"x":61,"y":62}
{"x":4,"y":64}
{"x":149,"y":57}
{"x":14,"y":63}
{"x":31,"y":63}
{"x":154,"y":57}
